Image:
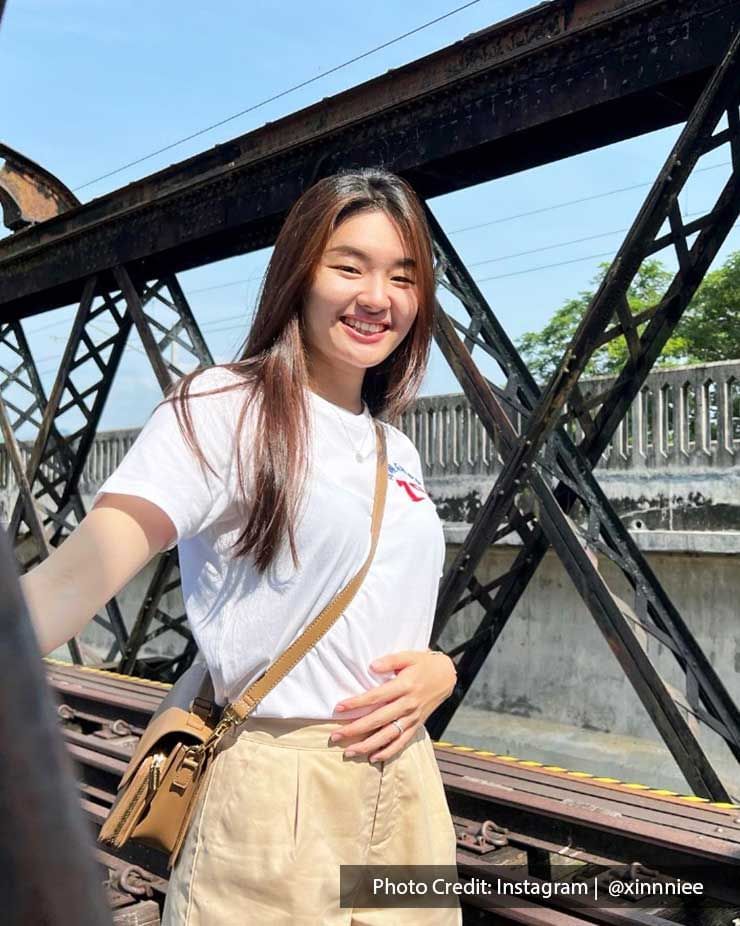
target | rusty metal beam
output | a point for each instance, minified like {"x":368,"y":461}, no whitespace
{"x":540,"y":86}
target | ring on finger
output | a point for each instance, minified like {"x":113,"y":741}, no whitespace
{"x":400,"y":728}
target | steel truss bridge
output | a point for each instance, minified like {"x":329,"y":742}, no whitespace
{"x":560,"y":79}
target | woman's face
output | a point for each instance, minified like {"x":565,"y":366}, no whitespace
{"x":365,"y":279}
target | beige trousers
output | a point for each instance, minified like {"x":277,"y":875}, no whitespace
{"x":282,"y":809}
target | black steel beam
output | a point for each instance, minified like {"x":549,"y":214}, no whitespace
{"x":710,"y":701}
{"x":562,"y":78}
{"x":604,"y":607}
{"x":652,"y":610}
{"x":661,"y":206}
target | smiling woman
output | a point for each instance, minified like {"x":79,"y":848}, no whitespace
{"x":263,"y":472}
{"x":359,"y":269}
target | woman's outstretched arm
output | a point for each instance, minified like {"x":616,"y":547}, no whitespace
{"x":114,"y":541}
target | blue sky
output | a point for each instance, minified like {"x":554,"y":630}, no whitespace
{"x":96,"y":85}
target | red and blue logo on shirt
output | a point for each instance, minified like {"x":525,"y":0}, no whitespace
{"x":403,"y":478}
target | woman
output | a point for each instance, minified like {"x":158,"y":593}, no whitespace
{"x":262,"y":472}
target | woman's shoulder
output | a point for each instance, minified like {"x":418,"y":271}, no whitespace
{"x":216,"y":387}
{"x":214,"y":377}
{"x":215,"y":399}
{"x":400,"y":444}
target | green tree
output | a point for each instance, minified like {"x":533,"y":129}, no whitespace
{"x":711,"y":324}
{"x":709,"y":330}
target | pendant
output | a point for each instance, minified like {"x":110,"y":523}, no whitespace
{"x":358,"y":457}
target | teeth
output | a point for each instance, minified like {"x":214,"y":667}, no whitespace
{"x":363,"y":326}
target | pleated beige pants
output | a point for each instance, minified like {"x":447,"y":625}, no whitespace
{"x":282,"y":809}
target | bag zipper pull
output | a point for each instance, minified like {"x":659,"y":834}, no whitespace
{"x":154,"y":771}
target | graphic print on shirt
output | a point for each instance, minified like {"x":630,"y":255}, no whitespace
{"x":402,"y":477}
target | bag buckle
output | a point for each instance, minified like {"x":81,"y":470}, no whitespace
{"x":189,"y":765}
{"x":203,"y":707}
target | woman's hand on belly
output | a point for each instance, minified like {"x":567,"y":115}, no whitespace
{"x":423,"y":681}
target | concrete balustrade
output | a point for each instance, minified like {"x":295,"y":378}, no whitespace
{"x":683,"y":417}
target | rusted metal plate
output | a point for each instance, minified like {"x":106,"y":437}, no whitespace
{"x":28,"y":193}
{"x":543,"y":800}
{"x":634,"y":798}
{"x":114,"y":699}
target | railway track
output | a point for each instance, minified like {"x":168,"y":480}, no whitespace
{"x":515,"y":819}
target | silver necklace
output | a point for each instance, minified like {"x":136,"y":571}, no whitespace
{"x":359,"y":456}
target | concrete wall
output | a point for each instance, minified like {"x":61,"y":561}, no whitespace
{"x":553,"y":665}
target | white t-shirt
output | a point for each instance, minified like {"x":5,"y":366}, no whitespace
{"x":241,"y":620}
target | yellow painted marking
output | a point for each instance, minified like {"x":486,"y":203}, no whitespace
{"x":529,"y":763}
{"x":108,"y":674}
{"x":602,"y":779}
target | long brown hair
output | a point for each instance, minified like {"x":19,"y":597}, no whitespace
{"x":273,"y":360}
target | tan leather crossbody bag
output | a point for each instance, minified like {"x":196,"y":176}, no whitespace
{"x":158,"y":791}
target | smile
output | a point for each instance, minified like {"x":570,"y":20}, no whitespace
{"x":366,"y":330}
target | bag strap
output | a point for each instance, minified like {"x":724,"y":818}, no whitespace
{"x":241,"y":708}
